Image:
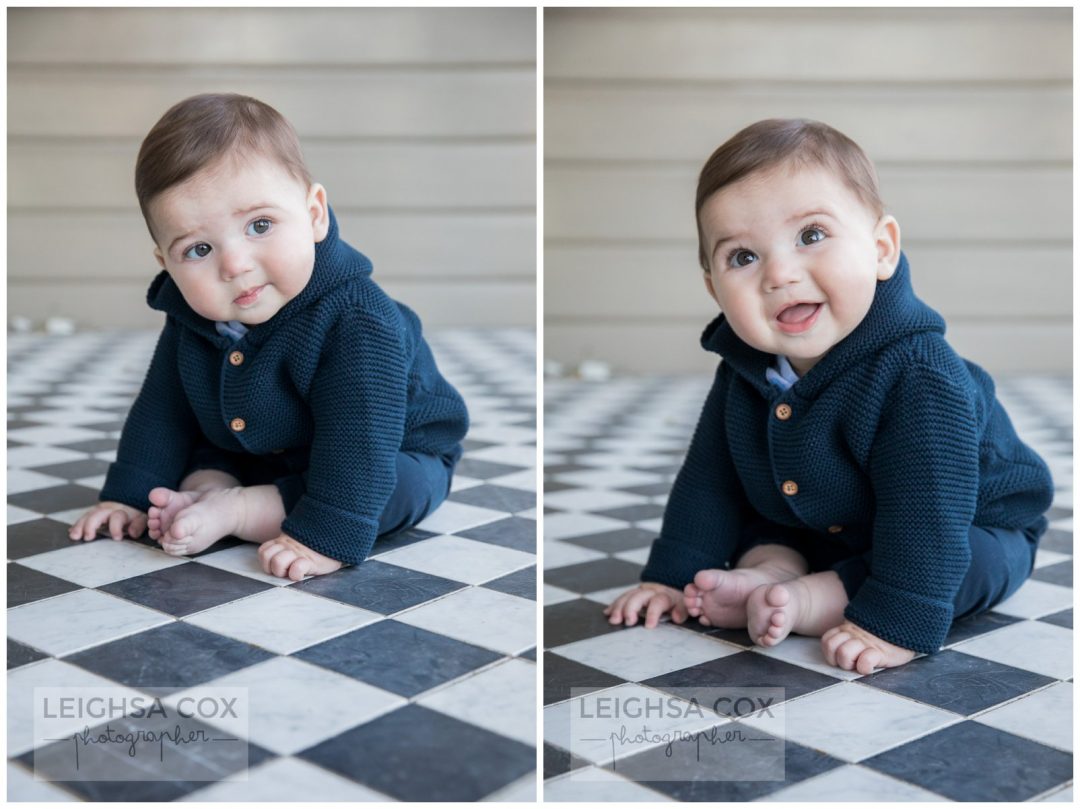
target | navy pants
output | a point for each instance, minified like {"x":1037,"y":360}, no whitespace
{"x":1001,"y":561}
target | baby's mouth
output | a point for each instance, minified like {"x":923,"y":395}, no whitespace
{"x":798,"y":317}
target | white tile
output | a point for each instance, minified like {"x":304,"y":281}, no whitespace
{"x":283,"y":620}
{"x":556,"y":595}
{"x":524,"y":480}
{"x":1035,"y":599}
{"x":609,"y":594}
{"x":451,"y":517}
{"x":501,"y":699}
{"x":1061,"y":796}
{"x":459,"y":559}
{"x":95,"y":482}
{"x":101,"y":561}
{"x":70,"y":418}
{"x":593,"y":784}
{"x":591,"y":499}
{"x":460,"y":483}
{"x":73,"y":621}
{"x":1045,"y":716}
{"x":560,"y":554}
{"x":479,"y":616}
{"x":243,"y":560}
{"x":295,"y":705}
{"x":16,"y":515}
{"x":560,"y":526}
{"x":23,"y":480}
{"x":19,"y":457}
{"x":806,"y":653}
{"x":590,"y":738}
{"x":21,"y":787}
{"x":652,"y":525}
{"x":522,"y":790}
{"x":862,"y":721}
{"x":623,"y":459}
{"x":1045,"y":558}
{"x":852,"y":784}
{"x":52,"y":435}
{"x":46,"y":674}
{"x":1029,"y":645}
{"x":285,"y":780}
{"x":609,"y":478}
{"x":504,"y":434}
{"x":514,"y":454}
{"x":638,"y":556}
{"x":639,"y":653}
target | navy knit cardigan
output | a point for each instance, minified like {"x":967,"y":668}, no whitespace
{"x":328,"y":391}
{"x":892,"y":437}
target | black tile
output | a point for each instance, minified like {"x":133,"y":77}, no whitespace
{"x":93,"y":445}
{"x":957,"y":682}
{"x":73,"y":470}
{"x":169,"y":658}
{"x":185,"y":589}
{"x":104,"y":426}
{"x":519,"y":583}
{"x":623,"y":539}
{"x":55,"y":498}
{"x":552,"y":486}
{"x":391,"y":542}
{"x":482,"y":470}
{"x":973,"y":762}
{"x":19,"y":654}
{"x":1058,"y":513}
{"x":967,"y":628}
{"x":599,"y":574}
{"x":222,"y":544}
{"x":1060,"y":573}
{"x":1057,"y":540}
{"x":397,"y":657}
{"x":518,"y":533}
{"x":649,"y":489}
{"x":380,"y":587}
{"x":1063,"y":618}
{"x":37,"y":536}
{"x":737,"y":766}
{"x":469,"y":444}
{"x":575,"y":620}
{"x":564,"y":678}
{"x":557,"y":761}
{"x":740,"y":637}
{"x":416,"y":754}
{"x":25,"y":585}
{"x":643,"y":511}
{"x":529,"y":655}
{"x":743,"y":670}
{"x":499,"y":498}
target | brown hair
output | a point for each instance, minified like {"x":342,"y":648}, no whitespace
{"x":773,"y":141}
{"x":200,"y":130}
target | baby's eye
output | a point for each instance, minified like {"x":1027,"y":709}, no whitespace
{"x":812,"y":235}
{"x":200,"y":250}
{"x":741,"y":258}
{"x":258,"y":227}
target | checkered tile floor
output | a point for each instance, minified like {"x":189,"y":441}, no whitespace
{"x":989,"y":718}
{"x":411,"y":676}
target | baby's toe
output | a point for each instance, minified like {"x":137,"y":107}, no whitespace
{"x":161,"y":496}
{"x":707,"y":579}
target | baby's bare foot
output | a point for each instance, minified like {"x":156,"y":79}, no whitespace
{"x":213,"y":515}
{"x":718,"y":597}
{"x":773,"y":610}
{"x":167,"y":503}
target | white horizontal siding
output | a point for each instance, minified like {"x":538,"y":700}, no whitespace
{"x":419,"y":122}
{"x":967,"y":114}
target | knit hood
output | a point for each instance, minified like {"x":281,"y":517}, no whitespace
{"x":894,"y":314}
{"x":336,"y":263}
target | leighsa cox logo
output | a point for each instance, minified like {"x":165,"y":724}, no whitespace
{"x":117,"y":734}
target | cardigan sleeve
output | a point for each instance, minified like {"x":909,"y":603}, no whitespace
{"x":924,"y":469}
{"x":358,"y":400}
{"x":707,"y":507}
{"x":157,"y":439}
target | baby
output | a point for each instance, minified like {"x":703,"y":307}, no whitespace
{"x":851,"y":477}
{"x":289,"y":401}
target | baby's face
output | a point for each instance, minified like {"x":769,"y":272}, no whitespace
{"x":795,"y":258}
{"x":238,"y":238}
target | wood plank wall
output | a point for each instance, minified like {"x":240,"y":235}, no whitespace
{"x":966,"y":112}
{"x":421,"y":123}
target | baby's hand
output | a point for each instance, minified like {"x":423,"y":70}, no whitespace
{"x":659,"y":598}
{"x":116,"y":516}
{"x":853,"y":648}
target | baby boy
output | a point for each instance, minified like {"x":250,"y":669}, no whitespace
{"x":289,"y":401}
{"x":851,"y":477}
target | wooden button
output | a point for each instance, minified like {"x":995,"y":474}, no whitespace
{"x":835,"y":529}
{"x":236,"y":358}
{"x":238,"y":425}
{"x":790,"y":487}
{"x":783,"y":412}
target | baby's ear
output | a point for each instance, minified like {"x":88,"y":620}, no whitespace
{"x":887,"y":240}
{"x":320,"y":211}
{"x":160,"y":258}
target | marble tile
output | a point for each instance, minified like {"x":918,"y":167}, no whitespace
{"x":184,"y":589}
{"x":1045,"y":716}
{"x":379,"y":587}
{"x":78,"y":620}
{"x":852,"y":784}
{"x":22,"y":788}
{"x":286,"y":780}
{"x":1031,"y":645}
{"x":483,"y":617}
{"x":24,"y":480}
{"x":101,"y":561}
{"x":244,"y":561}
{"x":561,"y":554}
{"x":283,"y":620}
{"x":597,"y":785}
{"x":452,"y":517}
{"x":1036,"y":598}
{"x":590,"y":499}
{"x":562,"y":526}
{"x":638,"y":653}
{"x":460,"y":559}
{"x":501,"y":699}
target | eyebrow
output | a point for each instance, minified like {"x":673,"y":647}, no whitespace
{"x":237,"y":212}
{"x":795,"y":218}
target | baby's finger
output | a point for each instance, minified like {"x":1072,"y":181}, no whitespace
{"x":658,"y":605}
{"x":634,"y":604}
{"x":679,"y":613}
{"x":75,"y":532}
{"x":137,"y":526}
{"x":116,"y":524}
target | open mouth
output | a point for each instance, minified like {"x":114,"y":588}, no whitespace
{"x":249,"y":297}
{"x":798,"y":317}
